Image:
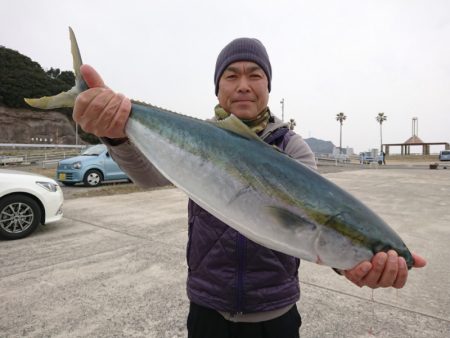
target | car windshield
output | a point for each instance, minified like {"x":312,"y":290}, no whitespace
{"x":94,"y":150}
{"x":445,"y":152}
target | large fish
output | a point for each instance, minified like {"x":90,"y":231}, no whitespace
{"x":259,"y":191}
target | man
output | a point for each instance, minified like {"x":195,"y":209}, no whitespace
{"x":237,"y":288}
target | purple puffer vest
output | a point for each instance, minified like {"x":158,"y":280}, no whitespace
{"x":230,"y":273}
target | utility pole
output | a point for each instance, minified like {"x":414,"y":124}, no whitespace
{"x":282,"y":109}
{"x":76,"y":133}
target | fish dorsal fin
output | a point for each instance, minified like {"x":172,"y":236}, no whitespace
{"x":236,"y":126}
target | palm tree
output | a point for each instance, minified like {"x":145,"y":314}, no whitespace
{"x":380,"y":118}
{"x":341,"y":118}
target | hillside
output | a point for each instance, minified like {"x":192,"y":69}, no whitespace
{"x":320,"y":146}
{"x":18,"y":125}
{"x":22,"y":77}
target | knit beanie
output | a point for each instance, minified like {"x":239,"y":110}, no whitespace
{"x":242,"y":49}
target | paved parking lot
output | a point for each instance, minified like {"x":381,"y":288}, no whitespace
{"x":115,"y":267}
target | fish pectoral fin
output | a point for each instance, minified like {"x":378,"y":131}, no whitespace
{"x":236,"y":126}
{"x":290,"y":220}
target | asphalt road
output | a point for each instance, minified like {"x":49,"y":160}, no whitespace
{"x":114,"y":266}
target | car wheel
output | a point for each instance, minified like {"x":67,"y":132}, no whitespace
{"x":92,"y":178}
{"x":19,"y":216}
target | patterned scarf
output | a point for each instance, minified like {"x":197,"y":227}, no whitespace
{"x":258,"y":124}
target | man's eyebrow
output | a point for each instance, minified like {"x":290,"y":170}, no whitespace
{"x":232,"y":69}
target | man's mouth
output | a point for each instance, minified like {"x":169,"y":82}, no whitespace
{"x":243,"y":100}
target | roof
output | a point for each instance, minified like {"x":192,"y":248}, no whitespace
{"x":414,"y":140}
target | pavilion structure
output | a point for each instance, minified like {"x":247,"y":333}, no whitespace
{"x":413,"y":141}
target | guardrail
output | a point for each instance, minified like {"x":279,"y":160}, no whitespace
{"x":10,"y":160}
{"x":35,"y":156}
{"x":47,"y":162}
{"x":43,"y":145}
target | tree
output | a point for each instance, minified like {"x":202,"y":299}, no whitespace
{"x":380,"y":118}
{"x":53,"y":72}
{"x":340,"y":118}
{"x":292,"y":124}
{"x":21,"y":77}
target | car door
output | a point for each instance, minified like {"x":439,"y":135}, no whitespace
{"x":112,"y":170}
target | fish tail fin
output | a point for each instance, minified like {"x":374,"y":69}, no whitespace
{"x":64,"y":99}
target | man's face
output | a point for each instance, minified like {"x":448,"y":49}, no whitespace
{"x":243,"y":90}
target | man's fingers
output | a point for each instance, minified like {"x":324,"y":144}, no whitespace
{"x":389,"y":274}
{"x":89,"y":109}
{"x":83,"y":101}
{"x":419,"y":262}
{"x":378,"y":263}
{"x":117,"y":113}
{"x":357,"y":274}
{"x":92,"y":78}
{"x":402,"y":274}
{"x":97,"y":106}
{"x":99,"y":110}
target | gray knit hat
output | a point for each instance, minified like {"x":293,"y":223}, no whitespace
{"x":242,"y":49}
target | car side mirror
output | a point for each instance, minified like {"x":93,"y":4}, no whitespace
{"x":107,"y":154}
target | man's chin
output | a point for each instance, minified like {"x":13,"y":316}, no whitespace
{"x":245,"y":114}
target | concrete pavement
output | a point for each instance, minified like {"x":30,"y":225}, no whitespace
{"x":115,"y":267}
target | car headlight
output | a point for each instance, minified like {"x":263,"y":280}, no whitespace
{"x":48,"y":186}
{"x":76,"y":165}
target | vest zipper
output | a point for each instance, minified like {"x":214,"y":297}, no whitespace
{"x":241,"y":252}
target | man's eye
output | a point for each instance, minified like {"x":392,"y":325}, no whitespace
{"x":256,"y":76}
{"x":231,"y":76}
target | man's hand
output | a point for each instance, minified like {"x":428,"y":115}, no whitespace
{"x":99,"y":110}
{"x":385,"y":270}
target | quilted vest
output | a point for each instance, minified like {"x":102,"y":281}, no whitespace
{"x":228,"y":272}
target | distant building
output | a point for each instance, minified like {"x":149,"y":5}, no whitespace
{"x":345,"y":151}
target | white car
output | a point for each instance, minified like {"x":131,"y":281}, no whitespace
{"x":27,"y":200}
{"x":444,"y":155}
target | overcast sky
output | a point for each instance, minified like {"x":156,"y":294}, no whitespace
{"x":357,"y":57}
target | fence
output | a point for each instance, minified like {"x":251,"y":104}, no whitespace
{"x":33,"y":154}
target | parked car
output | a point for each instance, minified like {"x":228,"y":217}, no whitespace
{"x":92,"y":167}
{"x":366,"y":158}
{"x":27,"y":200}
{"x":444,"y":155}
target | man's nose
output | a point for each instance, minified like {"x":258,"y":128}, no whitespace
{"x":243,"y":85}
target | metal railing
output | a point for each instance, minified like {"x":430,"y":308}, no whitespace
{"x":34,"y":154}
